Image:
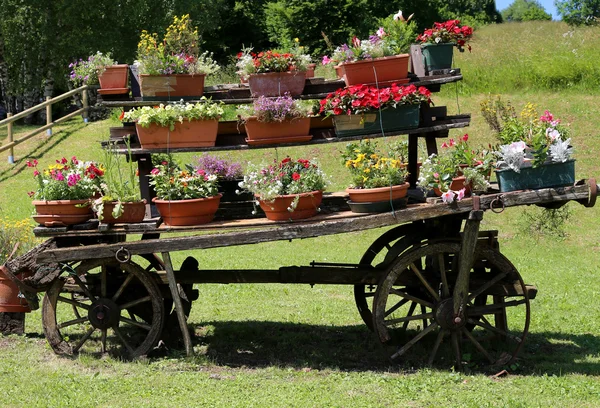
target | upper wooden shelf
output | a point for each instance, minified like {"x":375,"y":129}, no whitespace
{"x":316,"y":88}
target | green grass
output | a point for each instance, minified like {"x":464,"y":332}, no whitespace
{"x":293,"y":345}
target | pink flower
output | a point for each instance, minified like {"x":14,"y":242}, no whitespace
{"x":58,"y":176}
{"x":445,"y":145}
{"x":460,"y":194}
{"x":72,"y":179}
{"x":36,"y":173}
{"x":465,"y":137}
{"x":380,"y":32}
{"x":452,"y":142}
{"x":326,"y":60}
{"x":547,"y":117}
{"x":448,"y":196}
{"x":31,"y":194}
{"x":155,"y":171}
{"x":436,"y":175}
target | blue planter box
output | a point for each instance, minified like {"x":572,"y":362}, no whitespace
{"x":437,"y":56}
{"x":390,"y":120}
{"x":530,"y":178}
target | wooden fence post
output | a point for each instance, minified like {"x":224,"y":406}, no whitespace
{"x":9,"y":129}
{"x":84,"y":99}
{"x":48,"y":116}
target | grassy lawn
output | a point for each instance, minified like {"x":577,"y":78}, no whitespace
{"x":296,"y":345}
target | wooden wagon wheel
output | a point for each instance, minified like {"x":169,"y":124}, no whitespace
{"x":103,"y":291}
{"x":494,"y":326}
{"x":384,"y":250}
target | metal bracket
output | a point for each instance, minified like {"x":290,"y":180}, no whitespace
{"x":497,"y":205}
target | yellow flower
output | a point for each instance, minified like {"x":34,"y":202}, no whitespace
{"x":297,"y":39}
{"x":367,"y":170}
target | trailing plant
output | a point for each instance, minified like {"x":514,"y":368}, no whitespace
{"x":85,"y":72}
{"x":172,"y":183}
{"x":169,"y":115}
{"x":279,"y":109}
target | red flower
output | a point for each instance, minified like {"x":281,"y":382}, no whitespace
{"x":465,"y":137}
{"x":122,"y":115}
{"x":295,"y":176}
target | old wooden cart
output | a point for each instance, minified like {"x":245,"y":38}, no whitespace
{"x":433,"y":279}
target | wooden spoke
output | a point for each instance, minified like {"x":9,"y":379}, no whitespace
{"x":72,"y":322}
{"x":82,"y":341}
{"x":415,"y":339}
{"x":493,"y":309}
{"x":478,"y":345}
{"x":83,"y":287}
{"x":456,"y":347}
{"x":136,"y":302}
{"x":411,"y":297}
{"x":411,"y":310}
{"x":131,"y":315}
{"x":103,"y":341}
{"x":136,"y":323}
{"x":493,"y":329}
{"x":426,"y":284}
{"x":396,"y":307}
{"x":486,"y":286}
{"x":423,"y":316}
{"x":442,"y":268}
{"x":74,"y":302}
{"x":123,"y":340}
{"x":436,"y":346}
{"x":119,"y":292}
{"x":369,"y":294}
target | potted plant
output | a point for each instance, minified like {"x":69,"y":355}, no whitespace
{"x":362,"y":109}
{"x":273,"y":73}
{"x":275,"y":120}
{"x":437,"y":43}
{"x":100,"y":69}
{"x":287,"y":190}
{"x":120,"y":200}
{"x":376,"y":177}
{"x":465,"y":156}
{"x":371,"y":61}
{"x":184,"y":197}
{"x":173,"y":67}
{"x":229,"y":176}
{"x":535,"y":151}
{"x":64,"y":191}
{"x":177,"y":125}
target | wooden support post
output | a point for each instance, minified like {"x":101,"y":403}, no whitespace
{"x":10,"y":138}
{"x":177,"y":302}
{"x":465,"y":262}
{"x":144,"y":168}
{"x":84,"y":101}
{"x":12,"y":323}
{"x":48,"y":116}
{"x":413,"y":153}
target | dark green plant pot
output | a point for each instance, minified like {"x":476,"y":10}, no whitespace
{"x":530,"y":178}
{"x":437,"y":56}
{"x":388,"y":120}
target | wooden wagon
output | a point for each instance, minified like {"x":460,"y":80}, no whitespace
{"x":434,"y":277}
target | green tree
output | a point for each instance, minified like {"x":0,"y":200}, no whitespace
{"x":579,"y":12}
{"x":525,"y":10}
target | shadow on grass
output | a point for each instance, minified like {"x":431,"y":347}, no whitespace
{"x":38,"y":151}
{"x":257,"y":344}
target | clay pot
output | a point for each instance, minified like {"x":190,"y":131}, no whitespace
{"x":310,"y":71}
{"x":133,"y":212}
{"x":339,"y":72}
{"x":188,"y":212}
{"x":175,"y":85}
{"x":377,"y":70}
{"x":372,"y":195}
{"x":257,"y":130}
{"x":277,"y":83}
{"x":114,"y":77}
{"x":195,"y":133}
{"x":458,"y":183}
{"x":57,"y":213}
{"x":10,"y":302}
{"x":277,"y":210}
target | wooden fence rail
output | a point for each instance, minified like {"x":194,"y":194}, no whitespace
{"x":11,"y":142}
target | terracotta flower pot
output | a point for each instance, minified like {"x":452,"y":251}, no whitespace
{"x":10,"y":302}
{"x":114,"y":77}
{"x":377,"y":70}
{"x":195,"y":133}
{"x":188,"y":212}
{"x":372,"y":195}
{"x":339,"y":71}
{"x":310,"y":71}
{"x":175,"y":85}
{"x":277,"y":210}
{"x":277,"y":83}
{"x":132,"y":212}
{"x":458,"y":183}
{"x":257,"y":130}
{"x":62,"y":212}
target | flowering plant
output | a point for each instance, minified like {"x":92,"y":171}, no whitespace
{"x":359,"y":99}
{"x":527,"y":139}
{"x":85,"y":72}
{"x":358,"y":50}
{"x":67,"y":180}
{"x":177,"y":53}
{"x":223,"y":169}
{"x":280,"y":109}
{"x":178,"y":112}
{"x":284,"y":178}
{"x":250,"y":62}
{"x":172,"y":183}
{"x":464,"y":155}
{"x":400,"y":32}
{"x":449,"y":32}
{"x":371,"y":169}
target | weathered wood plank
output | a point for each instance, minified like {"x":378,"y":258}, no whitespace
{"x":12,"y":323}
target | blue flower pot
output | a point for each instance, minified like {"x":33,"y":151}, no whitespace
{"x":437,"y":56}
{"x":388,"y":120}
{"x":530,"y":178}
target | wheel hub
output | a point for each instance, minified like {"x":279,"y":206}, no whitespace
{"x":445,"y":317}
{"x":104,"y":313}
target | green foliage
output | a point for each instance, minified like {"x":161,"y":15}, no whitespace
{"x":400,"y":34}
{"x":525,"y":10}
{"x":551,"y":222}
{"x":169,"y":115}
{"x":579,"y":12}
{"x":12,"y":233}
